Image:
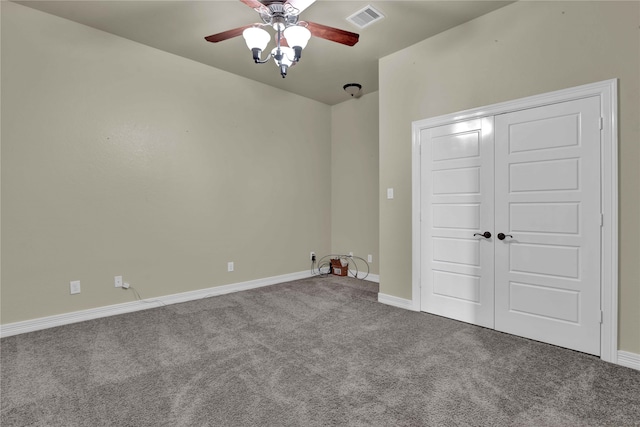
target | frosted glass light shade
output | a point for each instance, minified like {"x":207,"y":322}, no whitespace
{"x":256,"y":38}
{"x":287,"y":55}
{"x":297,"y":36}
{"x":352,"y":89}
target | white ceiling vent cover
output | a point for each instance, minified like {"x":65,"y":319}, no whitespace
{"x":365,"y":17}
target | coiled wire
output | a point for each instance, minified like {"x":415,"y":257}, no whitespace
{"x":322,"y":267}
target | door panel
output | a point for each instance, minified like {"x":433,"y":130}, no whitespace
{"x":545,"y":217}
{"x":546,"y":175}
{"x":456,"y":181}
{"x":456,"y":251}
{"x":455,"y":285}
{"x":447,"y":215}
{"x":457,"y":201}
{"x":455,"y":146}
{"x":547,"y":196}
{"x":545,"y":302}
{"x":549,"y":260}
{"x":544,"y":133}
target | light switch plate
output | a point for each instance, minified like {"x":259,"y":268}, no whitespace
{"x":74,"y":287}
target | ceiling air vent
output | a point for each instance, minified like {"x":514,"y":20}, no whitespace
{"x":365,"y":17}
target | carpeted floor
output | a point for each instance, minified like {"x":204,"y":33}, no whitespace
{"x":318,"y":351}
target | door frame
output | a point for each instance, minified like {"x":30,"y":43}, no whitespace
{"x":607,"y":90}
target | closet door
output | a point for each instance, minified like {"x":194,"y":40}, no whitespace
{"x":547,"y":268}
{"x":456,"y":203}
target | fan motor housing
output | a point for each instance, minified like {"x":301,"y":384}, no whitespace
{"x":279,"y":16}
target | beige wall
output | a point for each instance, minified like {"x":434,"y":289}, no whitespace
{"x":354,"y":178}
{"x":122,"y":159}
{"x":523,"y":49}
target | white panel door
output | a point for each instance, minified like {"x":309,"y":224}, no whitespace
{"x":456,"y":203}
{"x":547,"y":202}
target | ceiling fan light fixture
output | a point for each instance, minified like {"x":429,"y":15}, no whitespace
{"x":291,"y":35}
{"x":352,"y":89}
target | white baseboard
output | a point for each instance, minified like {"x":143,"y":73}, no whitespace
{"x":372,"y":278}
{"x":407,"y":304}
{"x":128,"y":307}
{"x":628,"y":359}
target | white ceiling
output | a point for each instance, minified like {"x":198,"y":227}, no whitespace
{"x":179,"y":27}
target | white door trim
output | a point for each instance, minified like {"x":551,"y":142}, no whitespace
{"x":608,"y":92}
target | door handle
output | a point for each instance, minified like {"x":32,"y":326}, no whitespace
{"x":486,"y":234}
{"x":502,"y":236}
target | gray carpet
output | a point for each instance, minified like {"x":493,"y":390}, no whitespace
{"x":318,"y":351}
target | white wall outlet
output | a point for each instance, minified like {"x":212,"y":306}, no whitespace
{"x":369,"y":258}
{"x":74,"y":287}
{"x":117,"y":281}
{"x":230,"y":266}
{"x":350,"y":253}
{"x":389,"y":193}
{"x":311,"y":255}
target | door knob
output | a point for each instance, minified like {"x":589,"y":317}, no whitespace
{"x":501,"y":236}
{"x":486,"y":234}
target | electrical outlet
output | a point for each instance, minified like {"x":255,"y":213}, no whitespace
{"x":230,"y":266}
{"x":369,"y":258}
{"x":312,"y":256}
{"x":389,"y":193}
{"x":74,"y":287}
{"x":350,"y":253}
{"x":117,"y":281}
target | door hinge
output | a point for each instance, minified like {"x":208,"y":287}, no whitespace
{"x":601,"y":220}
{"x":601,"y":317}
{"x":601,"y":122}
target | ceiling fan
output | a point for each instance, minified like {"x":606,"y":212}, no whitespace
{"x":291,"y":35}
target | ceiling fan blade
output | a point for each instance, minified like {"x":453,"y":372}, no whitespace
{"x":253,"y":4}
{"x":225,"y":35}
{"x":333,"y":34}
{"x":300,"y":5}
